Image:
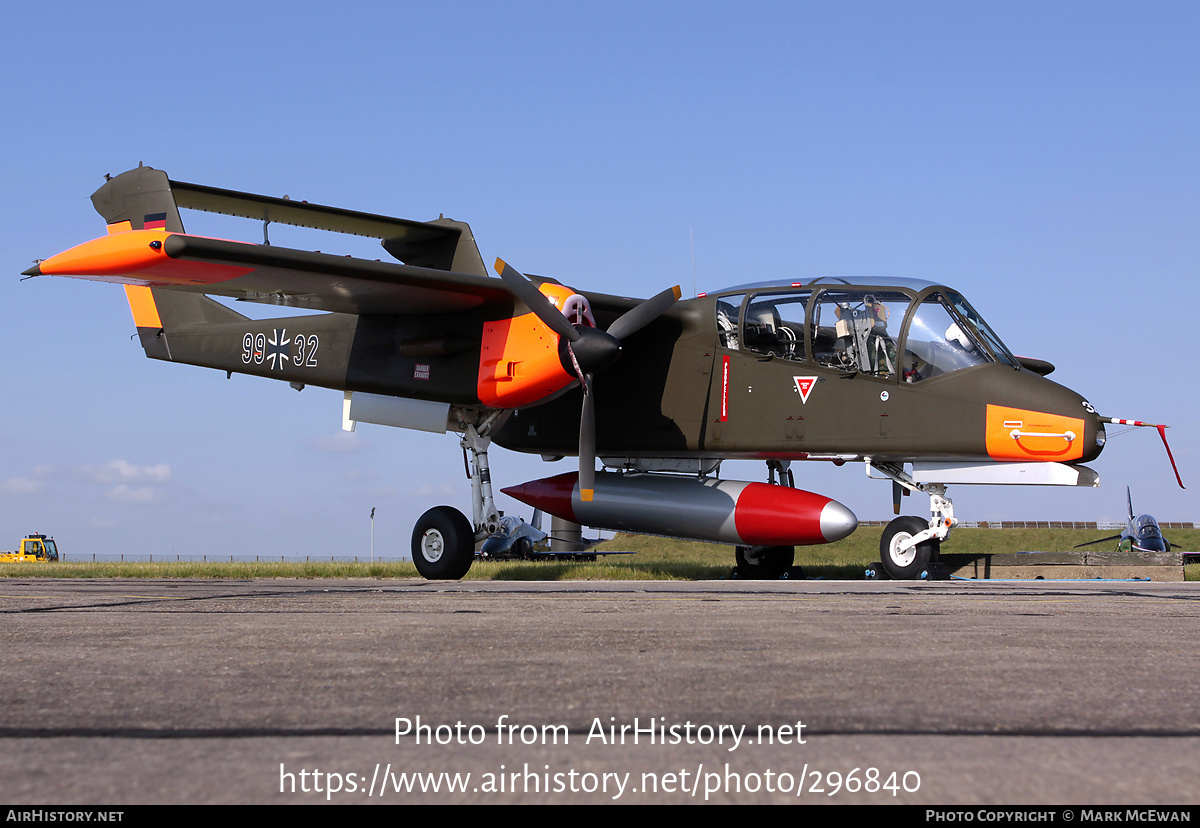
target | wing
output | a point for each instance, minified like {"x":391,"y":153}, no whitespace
{"x":441,"y":269}
{"x":1098,"y":540}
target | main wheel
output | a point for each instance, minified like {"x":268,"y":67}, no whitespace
{"x":764,"y":563}
{"x":908,"y":564}
{"x":443,"y":544}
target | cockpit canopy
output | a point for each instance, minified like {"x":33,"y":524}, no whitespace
{"x":898,"y":329}
{"x":1146,"y":527}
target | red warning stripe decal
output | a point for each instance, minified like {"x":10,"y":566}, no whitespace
{"x":724,"y":389}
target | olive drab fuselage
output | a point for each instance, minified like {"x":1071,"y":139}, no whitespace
{"x":708,"y":380}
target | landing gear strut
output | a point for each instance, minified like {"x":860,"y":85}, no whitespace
{"x":910,"y":544}
{"x":443,"y":540}
{"x":768,"y":563}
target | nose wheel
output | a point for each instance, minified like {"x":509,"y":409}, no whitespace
{"x":902,"y":559}
{"x":910,"y":544}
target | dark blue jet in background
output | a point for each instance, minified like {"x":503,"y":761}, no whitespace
{"x":1141,"y":534}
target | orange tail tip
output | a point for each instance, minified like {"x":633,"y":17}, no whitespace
{"x":141,"y":304}
{"x":136,"y":257}
{"x":118,"y":254}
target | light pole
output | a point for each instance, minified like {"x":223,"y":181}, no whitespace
{"x":372,"y":534}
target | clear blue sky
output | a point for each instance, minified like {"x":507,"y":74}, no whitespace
{"x":1040,"y":157}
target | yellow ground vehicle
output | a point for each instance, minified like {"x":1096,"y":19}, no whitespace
{"x":33,"y":548}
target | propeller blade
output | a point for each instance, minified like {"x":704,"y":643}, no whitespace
{"x":596,"y":349}
{"x":639,"y":317}
{"x":587,"y":443}
{"x":536,"y":301}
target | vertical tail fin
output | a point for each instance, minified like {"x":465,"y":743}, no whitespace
{"x":140,"y":199}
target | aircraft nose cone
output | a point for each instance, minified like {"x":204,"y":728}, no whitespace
{"x":1152,"y":545}
{"x":837,"y":521}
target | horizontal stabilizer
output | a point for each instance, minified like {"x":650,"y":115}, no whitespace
{"x":148,"y":199}
{"x":146,"y":246}
{"x":442,"y":244}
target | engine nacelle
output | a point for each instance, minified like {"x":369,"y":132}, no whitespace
{"x":519,"y":358}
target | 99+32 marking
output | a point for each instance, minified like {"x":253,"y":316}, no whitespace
{"x":278,"y":350}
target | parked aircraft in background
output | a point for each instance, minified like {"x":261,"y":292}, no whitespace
{"x":1141,"y":534}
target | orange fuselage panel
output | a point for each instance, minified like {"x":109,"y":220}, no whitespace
{"x":518,"y":363}
{"x":1020,"y":434}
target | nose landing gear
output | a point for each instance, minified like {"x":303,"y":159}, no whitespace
{"x":910,"y":544}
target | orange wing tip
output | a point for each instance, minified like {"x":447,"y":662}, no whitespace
{"x":586,"y":495}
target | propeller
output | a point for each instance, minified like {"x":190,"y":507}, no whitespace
{"x":587,"y":350}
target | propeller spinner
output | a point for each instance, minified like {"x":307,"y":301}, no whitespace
{"x":588,"y":350}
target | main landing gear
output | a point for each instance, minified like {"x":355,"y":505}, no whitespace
{"x":910,"y":544}
{"x":443,"y":544}
{"x":443,"y":540}
{"x":767,"y":563}
{"x":764,"y":563}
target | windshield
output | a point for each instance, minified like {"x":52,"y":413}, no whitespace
{"x":937,"y":343}
{"x":981,"y":328}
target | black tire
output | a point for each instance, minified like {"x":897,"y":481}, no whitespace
{"x":909,"y":565}
{"x":764,"y":563}
{"x":443,"y":544}
{"x":523,"y":548}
